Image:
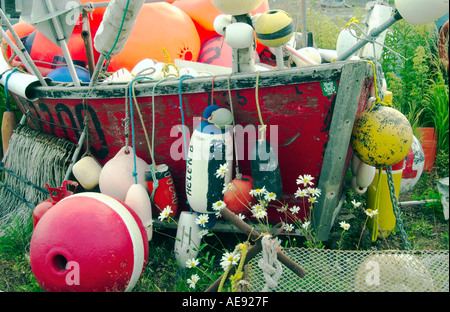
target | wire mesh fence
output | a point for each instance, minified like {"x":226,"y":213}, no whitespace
{"x":358,"y":271}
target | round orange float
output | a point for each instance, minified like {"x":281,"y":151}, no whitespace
{"x":159,"y":26}
{"x":48,"y":56}
{"x":23,"y":30}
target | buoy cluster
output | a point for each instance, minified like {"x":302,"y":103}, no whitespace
{"x":97,"y":240}
{"x":210,"y":33}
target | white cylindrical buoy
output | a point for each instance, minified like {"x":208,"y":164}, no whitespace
{"x":87,"y":172}
{"x":187,"y":242}
{"x":209,"y":164}
{"x":111,"y":35}
{"x":116,"y":176}
{"x":138,"y":199}
{"x":365,"y":175}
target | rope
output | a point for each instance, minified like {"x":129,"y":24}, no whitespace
{"x":264,"y":127}
{"x":269,"y":264}
{"x":107,"y":56}
{"x":153,"y":167}
{"x":8,"y":107}
{"x":238,"y":174}
{"x":180,"y":93}
{"x":377,"y":206}
{"x":238,"y":275}
{"x":134,"y":142}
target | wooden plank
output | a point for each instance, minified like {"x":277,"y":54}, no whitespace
{"x":272,"y":78}
{"x":345,"y":110}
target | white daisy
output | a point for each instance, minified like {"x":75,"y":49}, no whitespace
{"x":202,"y":219}
{"x":306,"y":180}
{"x":191,"y":263}
{"x":165,"y":213}
{"x":220,"y":173}
{"x":294,"y":209}
{"x":193,"y":280}
{"x":289,"y":227}
{"x":270,"y":196}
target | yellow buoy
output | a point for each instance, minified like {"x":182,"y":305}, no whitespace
{"x":274,"y":28}
{"x":378,"y":197}
{"x":381,"y":136}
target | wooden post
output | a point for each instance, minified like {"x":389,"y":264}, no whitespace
{"x":344,"y":114}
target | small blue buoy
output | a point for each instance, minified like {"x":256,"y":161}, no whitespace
{"x":62,"y":74}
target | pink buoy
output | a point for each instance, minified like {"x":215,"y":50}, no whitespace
{"x":88,"y":242}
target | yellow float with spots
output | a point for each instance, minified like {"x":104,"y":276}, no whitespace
{"x":381,"y":136}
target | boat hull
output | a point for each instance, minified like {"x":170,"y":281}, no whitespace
{"x":299,"y":107}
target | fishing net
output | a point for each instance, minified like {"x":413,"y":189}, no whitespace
{"x":358,"y":271}
{"x":33,"y":159}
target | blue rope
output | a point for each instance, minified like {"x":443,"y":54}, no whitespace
{"x":132,"y":126}
{"x":107,"y":56}
{"x":182,"y":78}
{"x":8,"y":107}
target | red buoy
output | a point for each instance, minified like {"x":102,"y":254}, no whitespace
{"x":237,"y":197}
{"x":89,"y":242}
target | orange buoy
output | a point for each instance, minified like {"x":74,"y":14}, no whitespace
{"x":23,"y":30}
{"x":47,"y":56}
{"x":174,"y":31}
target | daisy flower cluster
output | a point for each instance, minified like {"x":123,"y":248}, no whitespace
{"x":305,"y":189}
{"x":264,"y":197}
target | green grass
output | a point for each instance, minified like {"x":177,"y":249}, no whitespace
{"x":425,"y":227}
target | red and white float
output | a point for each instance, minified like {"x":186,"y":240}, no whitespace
{"x":89,"y":242}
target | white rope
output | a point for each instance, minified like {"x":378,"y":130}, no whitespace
{"x":269,"y":263}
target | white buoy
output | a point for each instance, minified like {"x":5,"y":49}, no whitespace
{"x":356,"y":188}
{"x":87,"y":172}
{"x":138,"y":199}
{"x":120,"y":76}
{"x":355,"y":164}
{"x":239,"y":35}
{"x":236,"y":7}
{"x":306,"y":57}
{"x":188,"y":239}
{"x":116,"y":176}
{"x":144,"y":68}
{"x":365,"y":175}
{"x":210,"y":150}
{"x":346,"y":40}
{"x":221,"y":22}
{"x":422,"y":12}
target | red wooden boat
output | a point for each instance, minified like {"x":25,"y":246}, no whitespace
{"x":313,"y":107}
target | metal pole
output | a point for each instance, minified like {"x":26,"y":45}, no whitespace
{"x":63,"y":44}
{"x":373,"y":35}
{"x":304,"y":25}
{"x":21,"y":51}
